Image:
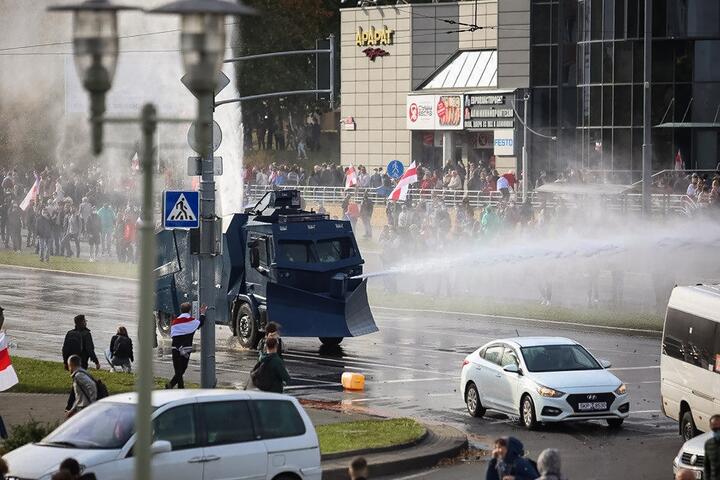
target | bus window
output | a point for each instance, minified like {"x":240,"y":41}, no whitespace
{"x":691,"y":339}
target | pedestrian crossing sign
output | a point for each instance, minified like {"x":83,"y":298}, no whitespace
{"x":181,"y":209}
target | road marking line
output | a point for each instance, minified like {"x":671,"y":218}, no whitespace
{"x":366,"y":363}
{"x":645,"y":411}
{"x":523,"y":319}
{"x":409,"y":380}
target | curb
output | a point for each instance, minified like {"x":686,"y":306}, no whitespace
{"x":68,"y":272}
{"x":440,"y":442}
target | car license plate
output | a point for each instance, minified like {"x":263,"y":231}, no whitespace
{"x":590,"y":406}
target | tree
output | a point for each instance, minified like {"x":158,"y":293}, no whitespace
{"x":282,"y":25}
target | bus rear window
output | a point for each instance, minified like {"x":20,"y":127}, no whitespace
{"x":334,"y":250}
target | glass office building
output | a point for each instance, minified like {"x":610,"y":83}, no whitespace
{"x":587,"y":84}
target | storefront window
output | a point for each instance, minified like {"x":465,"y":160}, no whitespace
{"x":622,"y":101}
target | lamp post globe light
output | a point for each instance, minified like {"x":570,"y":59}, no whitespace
{"x":95,"y":51}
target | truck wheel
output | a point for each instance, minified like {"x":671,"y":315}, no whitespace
{"x":331,"y":341}
{"x":163,"y":320}
{"x":246,"y":327}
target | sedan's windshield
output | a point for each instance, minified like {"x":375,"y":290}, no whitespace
{"x":102,"y":426}
{"x":558,"y":358}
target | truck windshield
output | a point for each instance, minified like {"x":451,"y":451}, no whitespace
{"x":336,"y":249}
{"x":322,"y":251}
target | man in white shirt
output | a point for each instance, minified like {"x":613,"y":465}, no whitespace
{"x":692,"y":189}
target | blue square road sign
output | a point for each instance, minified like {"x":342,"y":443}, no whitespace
{"x":181,"y":209}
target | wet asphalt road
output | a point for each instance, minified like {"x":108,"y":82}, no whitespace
{"x":411,"y":366}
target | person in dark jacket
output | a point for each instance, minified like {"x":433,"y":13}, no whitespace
{"x":277,"y":374}
{"x":182,"y":331}
{"x":366,"y":213}
{"x":79,"y":341}
{"x":508,"y":461}
{"x":272,"y":330}
{"x":43,"y":229}
{"x":712,"y":451}
{"x":120,"y":353}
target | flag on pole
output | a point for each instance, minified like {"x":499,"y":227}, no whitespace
{"x":350,"y":177}
{"x":679,"y":164}
{"x":8,"y":378}
{"x":31,"y":195}
{"x":401,"y":189}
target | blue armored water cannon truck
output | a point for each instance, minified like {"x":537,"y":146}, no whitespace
{"x":279,"y":263}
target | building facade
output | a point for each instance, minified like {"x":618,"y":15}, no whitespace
{"x":407,"y":72}
{"x":587,"y":85}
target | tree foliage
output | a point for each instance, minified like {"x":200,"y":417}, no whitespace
{"x":283,"y":25}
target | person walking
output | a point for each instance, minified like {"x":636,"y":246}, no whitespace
{"x":107,"y":227}
{"x":270,"y":374}
{"x":549,"y":465}
{"x":92,"y":230}
{"x":366,"y":213}
{"x":712,"y":451}
{"x":120,"y":353}
{"x":72,"y":226}
{"x":43,"y":229}
{"x":79,"y":341}
{"x":182,"y":331}
{"x":83,"y":386}
{"x":358,"y":469}
{"x":508,"y":461}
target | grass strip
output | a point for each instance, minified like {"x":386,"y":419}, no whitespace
{"x":69,"y":264}
{"x":601,"y":316}
{"x":42,"y":376}
{"x":364,"y":434}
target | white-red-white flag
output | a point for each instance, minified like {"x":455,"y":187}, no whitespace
{"x":8,"y":378}
{"x":401,"y":189}
{"x":31,"y":195}
{"x":350,"y":177}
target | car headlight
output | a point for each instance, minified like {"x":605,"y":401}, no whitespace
{"x":621,"y":390}
{"x":549,"y":392}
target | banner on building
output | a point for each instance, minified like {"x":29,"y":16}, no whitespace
{"x":434,"y":112}
{"x":504,"y":141}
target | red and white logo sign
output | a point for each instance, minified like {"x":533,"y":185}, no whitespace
{"x":413,"y":112}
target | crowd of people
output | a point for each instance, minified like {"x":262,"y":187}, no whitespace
{"x":65,"y":210}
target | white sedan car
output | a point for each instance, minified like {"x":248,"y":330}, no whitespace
{"x":542,"y":379}
{"x":692,"y":455}
{"x":198,"y":434}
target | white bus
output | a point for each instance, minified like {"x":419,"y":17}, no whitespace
{"x":690,"y":360}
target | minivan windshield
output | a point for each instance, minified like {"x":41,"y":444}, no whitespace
{"x":558,"y":358}
{"x":101,"y":426}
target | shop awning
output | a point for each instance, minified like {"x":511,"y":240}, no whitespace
{"x":468,"y":69}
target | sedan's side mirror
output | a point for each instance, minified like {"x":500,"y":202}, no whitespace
{"x":605,"y":363}
{"x":512,"y":368}
{"x":160,"y":446}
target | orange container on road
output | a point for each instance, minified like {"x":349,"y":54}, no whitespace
{"x":353,"y":381}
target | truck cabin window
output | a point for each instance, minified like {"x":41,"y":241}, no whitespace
{"x":322,"y":251}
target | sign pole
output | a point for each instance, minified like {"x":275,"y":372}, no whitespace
{"x":524,"y":150}
{"x":206,"y":258}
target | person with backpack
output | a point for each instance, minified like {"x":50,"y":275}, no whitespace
{"x":508,"y":461}
{"x":120,"y":353}
{"x":269,"y":373}
{"x":79,"y":341}
{"x":83,"y":385}
{"x":272,"y":330}
{"x":182,"y":330}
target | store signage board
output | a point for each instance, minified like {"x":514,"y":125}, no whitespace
{"x":434,"y":112}
{"x":504,"y":141}
{"x":488,"y":112}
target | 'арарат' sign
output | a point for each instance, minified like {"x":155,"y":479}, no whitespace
{"x":370,"y":37}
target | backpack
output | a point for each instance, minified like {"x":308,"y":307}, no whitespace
{"x":101,"y":388}
{"x":261,"y":375}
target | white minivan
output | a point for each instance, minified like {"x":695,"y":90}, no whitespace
{"x":690,"y":359}
{"x":197,"y":434}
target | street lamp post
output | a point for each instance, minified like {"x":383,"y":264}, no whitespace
{"x":203,"y":52}
{"x":525,"y":178}
{"x":95,"y":46}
